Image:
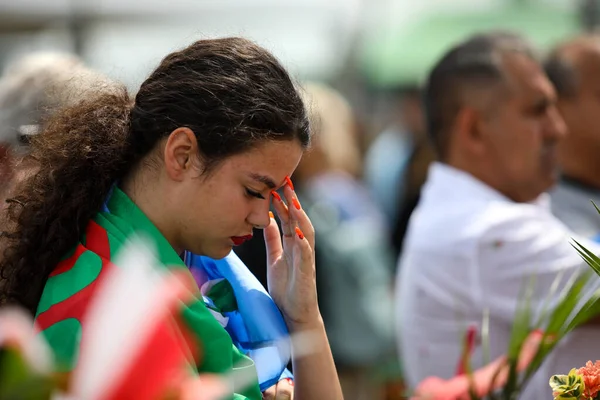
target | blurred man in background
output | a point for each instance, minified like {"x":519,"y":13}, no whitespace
{"x":483,"y":225}
{"x":574,"y":69}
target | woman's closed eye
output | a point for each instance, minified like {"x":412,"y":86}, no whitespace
{"x":252,"y":193}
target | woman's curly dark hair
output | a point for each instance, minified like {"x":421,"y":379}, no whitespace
{"x":232,"y":93}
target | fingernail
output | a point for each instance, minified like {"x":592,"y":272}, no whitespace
{"x":276,"y":195}
{"x":289,"y":182}
{"x":299,"y":233}
{"x":538,"y":332}
{"x":271,"y":215}
{"x":296,"y":203}
{"x":290,"y":381}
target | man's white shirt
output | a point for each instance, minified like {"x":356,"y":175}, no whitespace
{"x":470,"y":250}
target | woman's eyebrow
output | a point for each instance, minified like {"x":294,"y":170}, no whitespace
{"x":268,"y":181}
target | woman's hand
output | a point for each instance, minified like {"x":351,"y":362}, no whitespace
{"x":291,"y":262}
{"x":282,"y":390}
{"x":292,"y":283}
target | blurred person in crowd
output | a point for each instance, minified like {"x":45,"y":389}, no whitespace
{"x":388,"y":154}
{"x":397,"y":161}
{"x":353,"y":253}
{"x":31,"y":89}
{"x":573,"y":69}
{"x":109,"y":167}
{"x":483,"y":226}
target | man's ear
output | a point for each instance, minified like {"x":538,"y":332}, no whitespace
{"x":469,"y":130}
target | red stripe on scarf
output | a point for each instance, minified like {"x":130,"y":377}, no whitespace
{"x":67,"y":264}
{"x":97,"y":240}
{"x":76,"y":305}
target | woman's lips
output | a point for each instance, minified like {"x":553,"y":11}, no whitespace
{"x":238,"y":240}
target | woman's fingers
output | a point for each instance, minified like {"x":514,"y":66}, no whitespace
{"x":272,"y":240}
{"x":283,"y":213}
{"x":305,"y":252}
{"x":297,"y":216}
{"x":282,"y":390}
{"x":204,"y":387}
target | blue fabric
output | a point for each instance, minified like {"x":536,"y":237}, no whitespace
{"x":257,"y":327}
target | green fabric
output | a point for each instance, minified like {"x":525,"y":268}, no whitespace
{"x":63,"y":336}
{"x":219,"y":355}
{"x":223,"y":296}
{"x":65,"y":285}
{"x":125,"y":219}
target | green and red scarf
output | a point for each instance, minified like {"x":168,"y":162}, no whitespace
{"x":72,"y":284}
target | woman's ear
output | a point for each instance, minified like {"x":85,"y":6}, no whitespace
{"x":181,"y":154}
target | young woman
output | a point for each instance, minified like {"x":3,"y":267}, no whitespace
{"x":192,"y":164}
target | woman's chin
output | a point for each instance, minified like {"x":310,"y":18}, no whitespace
{"x":220,"y":252}
{"x":215,"y":249}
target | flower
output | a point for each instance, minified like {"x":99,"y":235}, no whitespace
{"x":591,"y":378}
{"x":567,"y":387}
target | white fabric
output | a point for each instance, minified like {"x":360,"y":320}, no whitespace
{"x":470,"y":249}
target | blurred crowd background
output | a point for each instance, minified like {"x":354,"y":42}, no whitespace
{"x":363,"y":62}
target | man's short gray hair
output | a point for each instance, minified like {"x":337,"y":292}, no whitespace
{"x":473,"y":63}
{"x":36,"y":85}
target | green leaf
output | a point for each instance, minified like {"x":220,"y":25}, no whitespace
{"x":520,"y":331}
{"x":18,"y":381}
{"x":590,"y":309}
{"x":590,"y":258}
{"x":522,"y":320}
{"x":596,"y":207}
{"x":13,"y":367}
{"x":567,"y":304}
{"x":552,"y":294}
{"x":563,"y":319}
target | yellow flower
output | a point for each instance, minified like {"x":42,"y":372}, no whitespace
{"x":567,"y":387}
